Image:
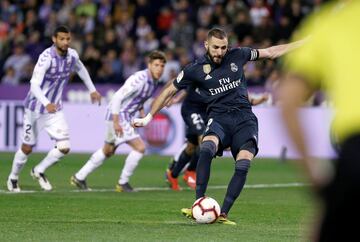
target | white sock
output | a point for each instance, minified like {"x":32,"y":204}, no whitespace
{"x":131,"y":162}
{"x":19,"y":161}
{"x":51,"y":158}
{"x":94,"y":162}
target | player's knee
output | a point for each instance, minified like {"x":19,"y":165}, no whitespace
{"x":63,"y":146}
{"x":140,"y":148}
{"x":108,"y":150}
{"x":65,"y":151}
{"x":27,"y":149}
{"x":209,"y":147}
{"x":247,"y":151}
{"x":244,"y":154}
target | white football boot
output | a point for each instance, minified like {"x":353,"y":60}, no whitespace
{"x":43,"y":181}
{"x":13,"y":185}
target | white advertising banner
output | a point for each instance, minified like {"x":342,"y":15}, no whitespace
{"x":165,"y":134}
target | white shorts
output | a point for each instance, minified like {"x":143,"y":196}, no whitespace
{"x":54,"y":124}
{"x":129,"y":133}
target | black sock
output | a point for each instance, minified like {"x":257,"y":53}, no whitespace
{"x":194,"y":160}
{"x":184,"y":158}
{"x":236,"y":184}
{"x":172,"y":165}
{"x":207,"y":152}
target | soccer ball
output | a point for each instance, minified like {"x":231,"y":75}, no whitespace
{"x":205,"y":210}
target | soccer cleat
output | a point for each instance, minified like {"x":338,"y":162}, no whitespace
{"x":187,"y":213}
{"x":81,"y":184}
{"x":124,"y":188}
{"x":43,"y":181}
{"x":173,"y":182}
{"x":13,"y":185}
{"x":222,"y":219}
{"x":190,"y":179}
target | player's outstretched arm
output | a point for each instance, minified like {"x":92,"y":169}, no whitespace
{"x":157,"y":105}
{"x":279,"y":50}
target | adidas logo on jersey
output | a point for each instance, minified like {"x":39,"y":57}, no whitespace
{"x":208,"y":77}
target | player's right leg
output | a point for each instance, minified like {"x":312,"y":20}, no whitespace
{"x":30,"y":132}
{"x":208,"y":149}
{"x":131,"y":162}
{"x":96,"y":160}
{"x":19,"y":161}
{"x":57,"y":128}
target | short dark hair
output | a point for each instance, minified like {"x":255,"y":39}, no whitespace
{"x":61,"y":29}
{"x":217,"y":33}
{"x":157,"y":55}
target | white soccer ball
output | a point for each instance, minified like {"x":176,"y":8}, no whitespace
{"x":205,"y":210}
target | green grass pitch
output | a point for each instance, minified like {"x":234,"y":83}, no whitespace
{"x":274,"y":206}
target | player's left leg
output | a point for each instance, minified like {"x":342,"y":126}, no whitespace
{"x":238,"y":179}
{"x":56,"y":126}
{"x":131,"y":162}
{"x":184,"y":158}
{"x":243,"y":148}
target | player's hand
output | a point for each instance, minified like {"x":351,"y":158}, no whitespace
{"x":141,"y":122}
{"x":95,"y":97}
{"x":118,"y":130}
{"x":51,"y":108}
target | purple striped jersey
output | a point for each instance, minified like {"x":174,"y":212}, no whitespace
{"x":52,"y":72}
{"x":131,"y":97}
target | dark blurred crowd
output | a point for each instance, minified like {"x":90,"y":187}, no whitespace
{"x":113,"y":36}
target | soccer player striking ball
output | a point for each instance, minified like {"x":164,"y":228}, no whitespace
{"x":128,"y":100}
{"x":220,"y":79}
{"x":193,"y":112}
{"x":43,"y":106}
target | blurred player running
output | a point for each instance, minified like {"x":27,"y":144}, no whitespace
{"x":43,"y":107}
{"x":126,"y":102}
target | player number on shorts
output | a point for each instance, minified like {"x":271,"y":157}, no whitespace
{"x":28,"y":128}
{"x":196,"y":118}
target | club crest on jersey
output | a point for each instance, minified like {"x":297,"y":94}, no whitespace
{"x":207,"y":70}
{"x":234,"y":67}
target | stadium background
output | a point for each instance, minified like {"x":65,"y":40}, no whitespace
{"x":112,"y":37}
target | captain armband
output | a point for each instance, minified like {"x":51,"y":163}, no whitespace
{"x":254,"y":54}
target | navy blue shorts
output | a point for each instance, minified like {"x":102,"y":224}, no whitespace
{"x":195,"y":118}
{"x":237,"y":129}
